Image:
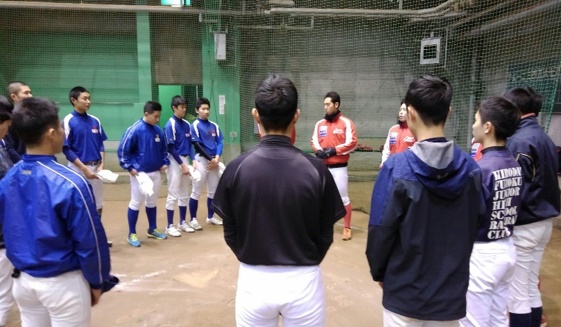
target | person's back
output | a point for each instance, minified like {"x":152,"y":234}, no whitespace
{"x":426,"y":206}
{"x":278,"y":205}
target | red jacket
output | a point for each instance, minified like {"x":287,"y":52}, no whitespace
{"x":399,"y":139}
{"x":338,"y":133}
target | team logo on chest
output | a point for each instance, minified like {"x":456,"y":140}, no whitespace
{"x":187,"y":135}
{"x":409,"y":139}
{"x":322,"y":131}
{"x":393,"y":138}
{"x":95,"y":130}
{"x":157,"y":139}
{"x":338,"y":131}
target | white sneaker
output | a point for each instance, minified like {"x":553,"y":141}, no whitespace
{"x":214,"y":221}
{"x":184,"y":227}
{"x":172,"y":231}
{"x":195,"y":224}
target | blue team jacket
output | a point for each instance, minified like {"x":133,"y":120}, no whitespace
{"x":50,"y":223}
{"x":84,"y":137}
{"x":143,"y":147}
{"x":536,"y":153}
{"x":426,"y":206}
{"x":208,"y":136}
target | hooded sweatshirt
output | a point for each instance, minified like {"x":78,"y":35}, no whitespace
{"x":427,"y":204}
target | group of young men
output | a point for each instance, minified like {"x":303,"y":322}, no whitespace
{"x":452,"y":241}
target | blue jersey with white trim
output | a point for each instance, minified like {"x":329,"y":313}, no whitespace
{"x":208,"y":135}
{"x":50,"y":222}
{"x":143,"y":147}
{"x":84,"y":137}
{"x":178,"y":134}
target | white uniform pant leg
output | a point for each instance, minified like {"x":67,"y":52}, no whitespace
{"x":156,"y":177}
{"x":392,"y":319}
{"x":491,"y":268}
{"x":179,"y":185}
{"x":530,"y":241}
{"x":61,"y":301}
{"x":6,"y":298}
{"x":97,"y":184}
{"x":212,"y":179}
{"x":265,"y":292}
{"x":199,"y":186}
{"x":341,"y":178}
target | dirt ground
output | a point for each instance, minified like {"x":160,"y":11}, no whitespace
{"x":191,"y":280}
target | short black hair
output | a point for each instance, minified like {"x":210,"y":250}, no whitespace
{"x":75,"y":93}
{"x":32,"y":117}
{"x":276,"y":101}
{"x":6,"y":108}
{"x":152,"y":106}
{"x":177,"y":100}
{"x":201,"y":101}
{"x":431,"y":96}
{"x":14,"y":87}
{"x":335,"y":98}
{"x":503,"y":114}
{"x":526,"y":99}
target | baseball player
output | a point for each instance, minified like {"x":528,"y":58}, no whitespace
{"x":6,"y":268}
{"x":53,"y":234}
{"x":17,"y":91}
{"x":399,"y":137}
{"x":207,"y":140}
{"x":143,"y":149}
{"x":279,"y":246}
{"x":426,"y":207}
{"x":83,"y":146}
{"x":494,"y":255}
{"x":333,"y":140}
{"x":178,"y":136}
{"x":536,"y":153}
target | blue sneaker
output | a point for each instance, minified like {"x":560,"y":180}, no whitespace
{"x":156,"y":234}
{"x":133,"y":240}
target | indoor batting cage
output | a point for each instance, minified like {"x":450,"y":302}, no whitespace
{"x":129,"y":51}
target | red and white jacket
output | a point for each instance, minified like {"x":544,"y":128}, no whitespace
{"x":399,"y":139}
{"x":338,"y":133}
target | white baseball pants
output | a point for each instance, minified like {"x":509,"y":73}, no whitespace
{"x":96,"y":183}
{"x":61,"y":301}
{"x":210,"y":178}
{"x":490,"y":272}
{"x":6,"y":298}
{"x":341,"y":178}
{"x":392,"y":319}
{"x":265,"y":292}
{"x":138,"y":198}
{"x":530,"y":241}
{"x":179,"y":185}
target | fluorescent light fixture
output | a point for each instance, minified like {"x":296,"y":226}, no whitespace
{"x":176,"y":3}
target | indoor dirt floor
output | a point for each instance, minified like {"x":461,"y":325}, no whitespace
{"x":191,"y":280}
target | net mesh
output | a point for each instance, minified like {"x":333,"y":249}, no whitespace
{"x":128,"y":52}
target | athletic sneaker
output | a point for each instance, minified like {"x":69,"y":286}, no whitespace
{"x":156,"y":234}
{"x":347,"y":234}
{"x":195,"y":224}
{"x":184,"y":226}
{"x":214,"y":221}
{"x":133,"y":240}
{"x":172,"y":231}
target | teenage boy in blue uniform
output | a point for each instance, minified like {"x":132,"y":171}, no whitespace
{"x":426,"y":207}
{"x":207,"y":140}
{"x":52,"y":231}
{"x":494,"y":254}
{"x":178,"y":136}
{"x":536,"y":153}
{"x":143,"y":149}
{"x":83,"y":146}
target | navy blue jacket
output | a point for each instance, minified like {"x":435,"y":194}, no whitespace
{"x":502,"y":185}
{"x":426,"y":206}
{"x":536,"y":153}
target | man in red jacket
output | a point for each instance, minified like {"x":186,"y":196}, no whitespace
{"x":399,"y":137}
{"x":333,"y":140}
